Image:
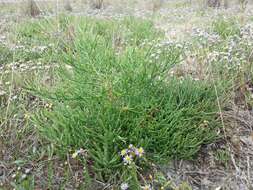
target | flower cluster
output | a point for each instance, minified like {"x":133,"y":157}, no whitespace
{"x":28,"y":66}
{"x":159,"y":49}
{"x":205,"y":37}
{"x":130,"y":153}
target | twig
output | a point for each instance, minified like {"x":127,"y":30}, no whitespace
{"x":223,"y":124}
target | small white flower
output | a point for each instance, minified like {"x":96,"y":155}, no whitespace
{"x":131,"y":146}
{"x":28,"y":170}
{"x":147,"y":187}
{"x":127,"y":159}
{"x":75,"y":154}
{"x":23,"y":176}
{"x":139,"y":152}
{"x":124,"y":186}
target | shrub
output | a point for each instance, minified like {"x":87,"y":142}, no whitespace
{"x":157,"y":4}
{"x":32,"y":9}
{"x":138,"y":30}
{"x":6,"y":55}
{"x":35,"y":31}
{"x":105,"y":101}
{"x":67,"y":6}
{"x":226,"y":28}
{"x":97,"y":4}
{"x":243,"y":4}
{"x":214,"y":3}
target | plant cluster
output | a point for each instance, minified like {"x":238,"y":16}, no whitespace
{"x":105,"y":100}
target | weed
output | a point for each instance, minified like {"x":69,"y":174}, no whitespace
{"x":108,"y":101}
{"x":226,"y":28}
{"x":105,"y":94}
{"x":24,"y":182}
{"x":6,"y":55}
{"x":223,"y":157}
{"x":97,"y":4}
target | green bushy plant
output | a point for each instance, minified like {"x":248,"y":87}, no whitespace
{"x":226,"y":27}
{"x":137,"y":30}
{"x":104,"y":101}
{"x":6,"y":55}
{"x":41,"y":32}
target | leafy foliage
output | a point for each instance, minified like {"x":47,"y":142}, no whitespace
{"x":226,"y":27}
{"x":106,"y":101}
